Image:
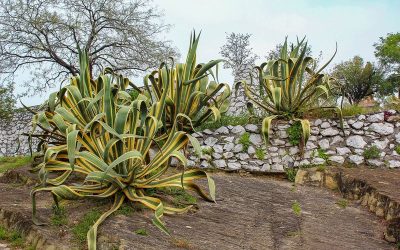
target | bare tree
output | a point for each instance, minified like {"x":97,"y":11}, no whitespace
{"x":238,"y":54}
{"x":42,"y":37}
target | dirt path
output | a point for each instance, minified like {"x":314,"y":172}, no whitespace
{"x":251,"y":213}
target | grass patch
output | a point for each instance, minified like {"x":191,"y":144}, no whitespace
{"x":321,"y":168}
{"x":291,"y":174}
{"x":181,"y":243}
{"x":343,"y":203}
{"x":296,"y":208}
{"x":321,"y":153}
{"x":245,"y":141}
{"x":59,"y":216}
{"x":125,"y":209}
{"x":14,"y":237}
{"x":371,"y":152}
{"x":352,"y":110}
{"x":181,"y":198}
{"x":260,"y":154}
{"x":141,"y":231}
{"x":80,"y":230}
{"x":8,"y":163}
{"x":207,"y":150}
{"x":397,"y":149}
{"x":225,"y":120}
{"x":295,"y":132}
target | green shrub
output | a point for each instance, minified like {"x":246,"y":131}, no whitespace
{"x":296,"y":208}
{"x":343,"y":203}
{"x":80,"y":230}
{"x":371,"y":152}
{"x":245,"y":141}
{"x":260,"y":153}
{"x":295,"y":133}
{"x":291,"y":174}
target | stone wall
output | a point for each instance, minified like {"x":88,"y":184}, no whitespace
{"x":11,"y":134}
{"x":221,"y":147}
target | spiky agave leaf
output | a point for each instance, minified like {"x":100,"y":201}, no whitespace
{"x":290,"y":87}
{"x":107,"y":139}
{"x":192,"y":90}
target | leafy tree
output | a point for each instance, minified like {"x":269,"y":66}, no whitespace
{"x":387,"y":50}
{"x":356,"y":79}
{"x":42,"y":37}
{"x":7,"y":101}
{"x":238,"y":54}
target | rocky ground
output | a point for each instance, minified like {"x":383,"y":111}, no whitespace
{"x":251,"y":213}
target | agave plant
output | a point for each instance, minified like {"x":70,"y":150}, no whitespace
{"x":108,"y":138}
{"x":191,"y":97}
{"x":289,"y":87}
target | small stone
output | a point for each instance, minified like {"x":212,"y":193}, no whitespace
{"x":317,"y":122}
{"x":219,"y":163}
{"x":329,"y":132}
{"x":375,"y":162}
{"x":293,"y":150}
{"x":382,"y":128}
{"x":256,"y":139}
{"x":304,"y":162}
{"x":358,"y":125}
{"x":276,"y":160}
{"x":191,"y":163}
{"x":211,"y":141}
{"x":229,"y":139}
{"x":318,"y":161}
{"x":216,"y":156}
{"x":325,"y":125}
{"x":277,"y":168}
{"x":252,"y":128}
{"x":238,"y":130}
{"x":251,"y":150}
{"x":314,"y":131}
{"x":207,"y":132}
{"x":218,"y":148}
{"x":278,"y":142}
{"x":356,"y":159}
{"x":394,"y":164}
{"x":376,"y":118}
{"x":355,"y":141}
{"x":204,"y":164}
{"x":310,"y":145}
{"x":324,"y":144}
{"x":337,"y":159}
{"x":222,"y":130}
{"x":234,"y":165}
{"x":228,"y":155}
{"x":343,"y":151}
{"x":381,"y":144}
{"x":243,"y":156}
{"x":287,"y":159}
{"x":238,"y":148}
{"x":273,"y":149}
{"x":337,"y":139}
{"x":282,"y":152}
{"x":265,"y":167}
{"x":229,"y":146}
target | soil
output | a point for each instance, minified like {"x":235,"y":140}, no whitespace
{"x":250,"y":213}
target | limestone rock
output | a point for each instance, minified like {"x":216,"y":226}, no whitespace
{"x":337,"y":159}
{"x":358,"y":125}
{"x":329,"y":132}
{"x":343,"y":151}
{"x":222,"y":130}
{"x":228,"y":155}
{"x":394,"y":164}
{"x":355,"y":141}
{"x":238,"y":148}
{"x":256,"y":139}
{"x":219,"y":163}
{"x":234,"y":165}
{"x":376,"y":118}
{"x":252,"y":128}
{"x":356,"y":159}
{"x":211,"y":141}
{"x":324,"y":144}
{"x":238,"y":130}
{"x":325,"y":125}
{"x":382,"y":128}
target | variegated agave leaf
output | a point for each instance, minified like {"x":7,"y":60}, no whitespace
{"x":107,"y":138}
{"x":290,"y":87}
{"x":193,"y":93}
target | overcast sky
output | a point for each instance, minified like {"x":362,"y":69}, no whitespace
{"x":355,"y":25}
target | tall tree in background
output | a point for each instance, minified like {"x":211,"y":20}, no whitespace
{"x":42,"y":37}
{"x":387,"y":50}
{"x":7,"y":101}
{"x":356,"y":79}
{"x":238,"y":54}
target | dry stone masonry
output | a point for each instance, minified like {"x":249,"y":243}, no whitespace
{"x":327,"y":144}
